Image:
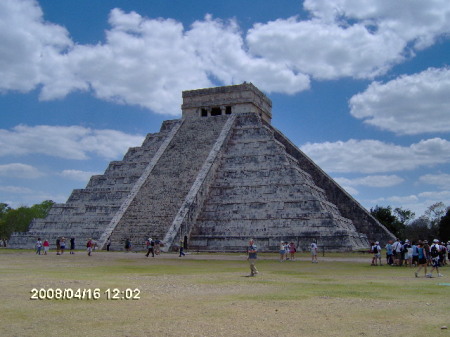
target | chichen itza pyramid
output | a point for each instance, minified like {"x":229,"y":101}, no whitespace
{"x":214,"y":178}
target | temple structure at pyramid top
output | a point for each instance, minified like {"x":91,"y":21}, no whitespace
{"x":211,"y":180}
{"x":226,"y":101}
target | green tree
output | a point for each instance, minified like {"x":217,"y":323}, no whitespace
{"x":404,"y":215}
{"x":18,"y":220}
{"x":419,"y":229}
{"x":4,"y":209}
{"x":444,"y":226}
{"x":385,"y":216}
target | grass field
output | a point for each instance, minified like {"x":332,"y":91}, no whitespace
{"x":210,"y":295}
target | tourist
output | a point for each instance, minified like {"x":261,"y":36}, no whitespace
{"x":157,"y":247}
{"x":286,"y":250}
{"x":398,"y":247}
{"x":389,"y":253}
{"x":376,"y":250}
{"x":150,"y":244}
{"x":89,"y":246}
{"x":292,"y":251}
{"x":434,"y":253}
{"x":282,"y":251}
{"x":127,"y":245}
{"x":427,"y":248}
{"x":58,"y":246}
{"x":38,"y":246}
{"x":72,"y":245}
{"x":407,"y":253}
{"x":314,"y":252}
{"x":443,"y":255}
{"x":46,"y":245}
{"x":448,"y":250}
{"x":415,"y":255}
{"x":252,"y":256}
{"x":422,"y":258}
{"x":181,"y":249}
{"x":108,"y":244}
{"x":63,"y":244}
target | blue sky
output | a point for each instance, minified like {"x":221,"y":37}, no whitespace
{"x":363,"y":88}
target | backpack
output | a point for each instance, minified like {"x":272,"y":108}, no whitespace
{"x":375,"y":249}
{"x":434,"y":252}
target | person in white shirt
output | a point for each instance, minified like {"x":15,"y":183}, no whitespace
{"x":434,"y":252}
{"x":314,"y":252}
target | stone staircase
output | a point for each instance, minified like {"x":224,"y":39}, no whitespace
{"x":89,"y":210}
{"x":153,"y":209}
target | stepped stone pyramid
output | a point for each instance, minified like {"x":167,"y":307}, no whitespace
{"x":213,"y":179}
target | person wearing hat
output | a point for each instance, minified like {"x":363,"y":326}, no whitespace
{"x":434,"y":252}
{"x":376,"y":250}
{"x":150,"y":244}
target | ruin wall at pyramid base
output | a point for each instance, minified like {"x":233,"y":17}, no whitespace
{"x":213,"y":179}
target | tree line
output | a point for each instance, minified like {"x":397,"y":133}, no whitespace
{"x":18,"y":220}
{"x":433,"y":224}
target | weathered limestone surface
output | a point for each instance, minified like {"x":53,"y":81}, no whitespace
{"x":215,"y":178}
{"x":261,"y":192}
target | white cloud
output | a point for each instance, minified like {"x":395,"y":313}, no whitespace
{"x":372,"y":181}
{"x":18,"y":170}
{"x":417,"y":21}
{"x":412,"y":104}
{"x":73,"y":142}
{"x":148,"y":62}
{"x":78,"y":175}
{"x":351,"y":38}
{"x":31,"y":50}
{"x":15,"y":190}
{"x":440,"y":180}
{"x":372,"y":156}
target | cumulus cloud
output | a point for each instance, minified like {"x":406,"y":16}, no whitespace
{"x":73,"y":142}
{"x":31,"y":50}
{"x":372,"y":156}
{"x":440,"y":180}
{"x":410,"y":104}
{"x":78,"y":175}
{"x":148,"y":62}
{"x":351,"y":38}
{"x":18,"y":170}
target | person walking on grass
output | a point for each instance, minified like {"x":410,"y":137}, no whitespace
{"x":422,"y":259}
{"x":38,"y":246}
{"x":292,"y":251}
{"x":89,"y":246}
{"x":46,"y":245}
{"x":313,"y":248}
{"x":72,"y":246}
{"x":282,"y":251}
{"x":150,"y":245}
{"x":434,"y":253}
{"x":252,"y":250}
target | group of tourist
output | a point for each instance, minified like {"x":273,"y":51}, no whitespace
{"x":285,"y":249}
{"x":153,"y":247}
{"x":414,"y":254}
{"x":60,"y":246}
